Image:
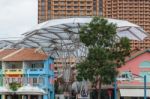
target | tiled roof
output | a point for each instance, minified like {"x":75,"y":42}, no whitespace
{"x":136,"y":53}
{"x":5,"y":52}
{"x":25,"y":54}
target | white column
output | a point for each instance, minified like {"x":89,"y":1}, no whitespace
{"x":28,"y":96}
{"x":40,"y":97}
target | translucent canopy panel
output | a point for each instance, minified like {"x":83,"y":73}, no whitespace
{"x":62,"y":35}
{"x":7,"y":43}
{"x":133,"y":33}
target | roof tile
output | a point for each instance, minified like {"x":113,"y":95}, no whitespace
{"x":5,"y":52}
{"x":26,"y":54}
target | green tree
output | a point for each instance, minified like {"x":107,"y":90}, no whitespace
{"x":14,"y":86}
{"x":106,"y":52}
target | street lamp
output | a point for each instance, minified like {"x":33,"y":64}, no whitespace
{"x":145,"y":87}
{"x":145,"y":97}
{"x":115,"y":89}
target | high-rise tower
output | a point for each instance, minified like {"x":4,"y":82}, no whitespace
{"x":52,"y":9}
{"x":135,"y":11}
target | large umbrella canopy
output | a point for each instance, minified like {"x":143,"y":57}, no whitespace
{"x":5,"y":90}
{"x":62,"y":35}
{"x":30,"y":90}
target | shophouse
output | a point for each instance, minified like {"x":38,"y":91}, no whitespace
{"x":130,"y":81}
{"x":24,"y":67}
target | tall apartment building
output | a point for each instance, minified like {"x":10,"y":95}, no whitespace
{"x":135,"y":11}
{"x":61,"y":63}
{"x":52,"y":9}
{"x":144,"y":44}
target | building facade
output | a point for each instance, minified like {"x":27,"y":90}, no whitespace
{"x":130,"y":80}
{"x":61,"y":64}
{"x":135,"y":11}
{"x":53,"y":9}
{"x":144,"y":44}
{"x":26,"y":67}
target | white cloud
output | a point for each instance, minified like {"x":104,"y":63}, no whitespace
{"x":17,"y":16}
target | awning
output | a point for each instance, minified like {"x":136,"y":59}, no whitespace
{"x":134,"y":92}
{"x":4,"y":90}
{"x":30,"y":90}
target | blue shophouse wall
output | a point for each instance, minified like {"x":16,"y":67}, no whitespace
{"x":46,"y":73}
{"x":50,"y":75}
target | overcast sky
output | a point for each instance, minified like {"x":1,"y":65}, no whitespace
{"x":16,"y":17}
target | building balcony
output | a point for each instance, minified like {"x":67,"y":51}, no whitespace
{"x":13,"y":71}
{"x":36,"y":71}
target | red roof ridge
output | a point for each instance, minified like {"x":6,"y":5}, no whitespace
{"x":12,"y":54}
{"x":135,"y":54}
{"x":39,"y":50}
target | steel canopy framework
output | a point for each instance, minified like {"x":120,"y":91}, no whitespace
{"x":62,"y":35}
{"x":7,"y":43}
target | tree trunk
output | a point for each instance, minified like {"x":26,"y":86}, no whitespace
{"x":99,"y":90}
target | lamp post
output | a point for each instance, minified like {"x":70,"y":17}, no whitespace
{"x":145,"y":97}
{"x":115,"y":89}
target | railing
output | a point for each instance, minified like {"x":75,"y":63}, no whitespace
{"x":35,"y":70}
{"x":129,"y":79}
{"x":13,"y":71}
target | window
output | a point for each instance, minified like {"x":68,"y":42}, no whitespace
{"x":35,"y":81}
{"x":145,"y":64}
{"x":41,"y":80}
{"x":37,"y":65}
{"x":68,"y":2}
{"x":42,"y":13}
{"x":43,"y":3}
{"x":56,"y":2}
{"x":14,"y":65}
{"x":125,"y":75}
{"x":75,"y":2}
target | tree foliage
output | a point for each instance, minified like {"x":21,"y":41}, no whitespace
{"x":14,"y":86}
{"x":106,"y":51}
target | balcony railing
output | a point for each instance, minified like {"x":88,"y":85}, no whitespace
{"x":13,"y":71}
{"x":35,"y":70}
